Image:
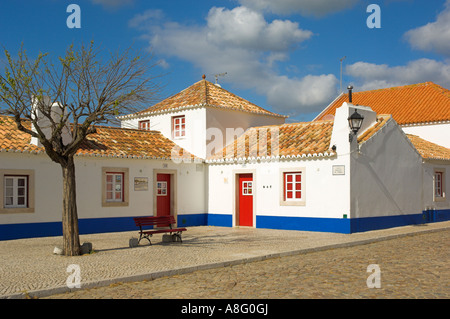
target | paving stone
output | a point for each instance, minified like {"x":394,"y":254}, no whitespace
{"x":218,"y":262}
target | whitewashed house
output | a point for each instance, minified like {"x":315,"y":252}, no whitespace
{"x":248,"y":169}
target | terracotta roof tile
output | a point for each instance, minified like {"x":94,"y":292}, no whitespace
{"x":429,"y":150}
{"x":286,"y":140}
{"x":410,"y":104}
{"x":204,"y":93}
{"x":382,"y":119}
{"x":107,"y":141}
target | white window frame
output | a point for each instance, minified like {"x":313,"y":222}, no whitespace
{"x":247,"y":188}
{"x":16,"y":174}
{"x":117,"y":187}
{"x":178,"y":127}
{"x":439,"y":184}
{"x":144,"y":125}
{"x":284,"y":200}
{"x":124,"y":201}
{"x":14,"y":191}
{"x":294,"y":184}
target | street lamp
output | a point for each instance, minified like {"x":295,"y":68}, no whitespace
{"x":354,"y":121}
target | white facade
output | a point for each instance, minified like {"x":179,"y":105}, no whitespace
{"x":45,"y":192}
{"x":208,"y":129}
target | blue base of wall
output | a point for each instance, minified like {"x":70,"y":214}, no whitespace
{"x":335,"y":225}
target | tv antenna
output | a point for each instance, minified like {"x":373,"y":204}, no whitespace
{"x":340,"y":82}
{"x":217,"y":77}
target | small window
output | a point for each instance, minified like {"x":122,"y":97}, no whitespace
{"x":15,"y":192}
{"x":247,"y":188}
{"x":439,"y":185}
{"x":144,"y":125}
{"x":178,"y":126}
{"x":114,"y":187}
{"x":161,"y":188}
{"x":292,"y":186}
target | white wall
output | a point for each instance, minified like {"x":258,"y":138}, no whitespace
{"x":326,"y":195}
{"x":195,"y":128}
{"x":428,"y":185}
{"x":386,"y":175}
{"x":436,"y":133}
{"x":48,"y":187}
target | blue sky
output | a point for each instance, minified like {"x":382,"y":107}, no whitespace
{"x":283,"y":55}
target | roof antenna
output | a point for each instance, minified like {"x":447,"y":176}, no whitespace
{"x":342,"y":59}
{"x":217,"y":77}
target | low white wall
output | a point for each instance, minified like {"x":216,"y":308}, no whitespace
{"x":386,"y":176}
{"x":48,"y":187}
{"x":326,"y":195}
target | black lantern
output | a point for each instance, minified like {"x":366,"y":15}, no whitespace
{"x":355,"y":121}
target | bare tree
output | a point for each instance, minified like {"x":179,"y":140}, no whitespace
{"x":64,"y":99}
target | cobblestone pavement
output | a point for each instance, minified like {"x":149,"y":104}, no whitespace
{"x":415,"y":266}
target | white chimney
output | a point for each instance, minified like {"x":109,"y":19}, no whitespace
{"x":45,"y":124}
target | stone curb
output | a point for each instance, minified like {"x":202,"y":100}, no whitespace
{"x":165,"y":273}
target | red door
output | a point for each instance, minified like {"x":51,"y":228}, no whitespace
{"x":245,"y":200}
{"x":162,"y":194}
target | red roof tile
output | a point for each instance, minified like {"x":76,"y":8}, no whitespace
{"x":418,"y":103}
{"x":204,"y":93}
{"x":429,"y":150}
{"x":107,"y":141}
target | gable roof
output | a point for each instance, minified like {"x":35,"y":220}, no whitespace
{"x":284,"y":141}
{"x":279,"y":141}
{"x":203,"y":94}
{"x":106,"y":142}
{"x":429,"y":150}
{"x":410,"y":104}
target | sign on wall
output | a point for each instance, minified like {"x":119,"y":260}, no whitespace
{"x":141,"y":183}
{"x":338,"y":169}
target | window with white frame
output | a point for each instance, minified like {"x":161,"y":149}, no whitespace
{"x":15,"y":191}
{"x":114,"y":187}
{"x":439,"y":185}
{"x":144,"y":125}
{"x":178,"y":126}
{"x":292,"y":186}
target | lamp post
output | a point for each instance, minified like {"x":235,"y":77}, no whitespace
{"x":354,"y":121}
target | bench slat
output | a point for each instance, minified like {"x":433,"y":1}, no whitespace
{"x":159,"y":222}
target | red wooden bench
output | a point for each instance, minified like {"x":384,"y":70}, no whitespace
{"x":160,"y":224}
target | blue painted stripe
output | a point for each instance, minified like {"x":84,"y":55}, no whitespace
{"x":337,"y":225}
{"x":221,"y":220}
{"x":333,"y":225}
{"x":192,"y":220}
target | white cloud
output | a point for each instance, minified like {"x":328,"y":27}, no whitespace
{"x":434,"y":36}
{"x":374,"y":76}
{"x":305,"y":7}
{"x":246,"y":46}
{"x":245,"y":28}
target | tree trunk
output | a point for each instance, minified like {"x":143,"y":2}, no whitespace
{"x":71,"y":239}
